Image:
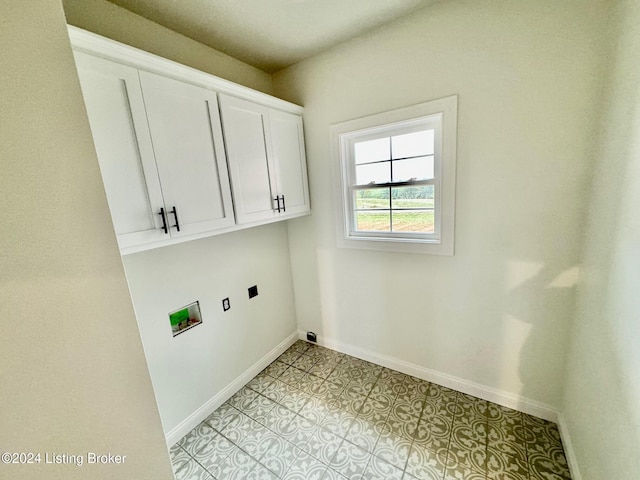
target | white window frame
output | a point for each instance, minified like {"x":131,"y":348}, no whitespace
{"x":441,"y":115}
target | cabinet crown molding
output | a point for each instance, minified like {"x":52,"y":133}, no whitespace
{"x":97,"y":45}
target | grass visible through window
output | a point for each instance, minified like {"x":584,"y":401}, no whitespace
{"x":410,"y":209}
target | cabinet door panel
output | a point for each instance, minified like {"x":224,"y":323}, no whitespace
{"x":247,"y":149}
{"x":187,"y":138}
{"x":118,"y":123}
{"x":289,"y":159}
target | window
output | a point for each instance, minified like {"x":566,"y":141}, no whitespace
{"x":397,"y":179}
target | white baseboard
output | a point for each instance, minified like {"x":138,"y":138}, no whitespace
{"x":569,"y":452}
{"x":226,"y":393}
{"x":506,"y":399}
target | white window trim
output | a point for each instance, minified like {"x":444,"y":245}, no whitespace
{"x":442,"y":242}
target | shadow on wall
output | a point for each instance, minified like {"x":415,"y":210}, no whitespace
{"x":506,"y":327}
{"x":541,"y":306}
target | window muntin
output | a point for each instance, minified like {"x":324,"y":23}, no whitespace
{"x":393,"y":180}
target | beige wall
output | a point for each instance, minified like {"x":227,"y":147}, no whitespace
{"x":603,"y":384}
{"x":498,"y":313}
{"x":73,"y":375}
{"x":111,"y":21}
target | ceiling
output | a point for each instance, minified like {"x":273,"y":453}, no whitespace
{"x":272,"y":34}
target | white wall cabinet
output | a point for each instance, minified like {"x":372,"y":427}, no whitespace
{"x":164,"y":155}
{"x":115,"y":106}
{"x":160,"y":149}
{"x":287,"y":143}
{"x":267,"y":163}
{"x":189,"y":151}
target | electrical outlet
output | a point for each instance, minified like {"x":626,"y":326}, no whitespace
{"x":225,"y":304}
{"x":253,"y":291}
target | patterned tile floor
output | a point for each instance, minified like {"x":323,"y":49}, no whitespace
{"x":316,"y":414}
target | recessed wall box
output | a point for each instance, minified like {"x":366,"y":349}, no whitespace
{"x":185,"y":318}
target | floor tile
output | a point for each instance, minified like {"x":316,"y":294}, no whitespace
{"x":276,"y":391}
{"x":329,"y":388}
{"x":193,"y":471}
{"x":338,"y":422}
{"x":261,"y":473}
{"x":470,"y":429}
{"x":239,"y":428}
{"x":305,"y":362}
{"x":278,"y":419}
{"x":425,"y":464}
{"x":299,"y":431}
{"x":222,"y":416}
{"x":433,"y":434}
{"x":470,"y":453}
{"x":316,"y":414}
{"x":260,"y":382}
{"x":501,"y":465}
{"x":363,"y":434}
{"x":292,"y":376}
{"x":462,"y":472}
{"x":379,"y":401}
{"x":310,"y":383}
{"x":305,"y":467}
{"x":279,"y":456}
{"x":350,"y":461}
{"x":179,"y":457}
{"x":548,"y":465}
{"x":393,"y":448}
{"x":406,"y":406}
{"x":402,"y":424}
{"x":378,"y":469}
{"x":289,"y":357}
{"x":349,"y":401}
{"x":323,"y":368}
{"x":198,"y":438}
{"x":260,"y":408}
{"x":276,"y":369}
{"x":385,"y":387}
{"x":314,"y":410}
{"x":214,"y":454}
{"x":471,"y":406}
{"x":441,"y":394}
{"x":257,"y":441}
{"x":237,"y":466}
{"x":332,"y":475}
{"x":243,"y":398}
{"x":499,"y":414}
{"x":323,"y":445}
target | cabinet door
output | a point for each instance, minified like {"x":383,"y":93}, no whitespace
{"x":287,"y":140}
{"x":118,"y":122}
{"x":246,"y":139}
{"x":189,"y":150}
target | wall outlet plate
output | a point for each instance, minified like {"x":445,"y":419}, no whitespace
{"x":226,"y":305}
{"x":253,"y":291}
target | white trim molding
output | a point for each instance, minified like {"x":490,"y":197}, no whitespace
{"x":440,"y":116}
{"x":567,"y":444}
{"x":226,"y":393}
{"x":506,"y":399}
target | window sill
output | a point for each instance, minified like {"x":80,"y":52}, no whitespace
{"x":427,"y":247}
